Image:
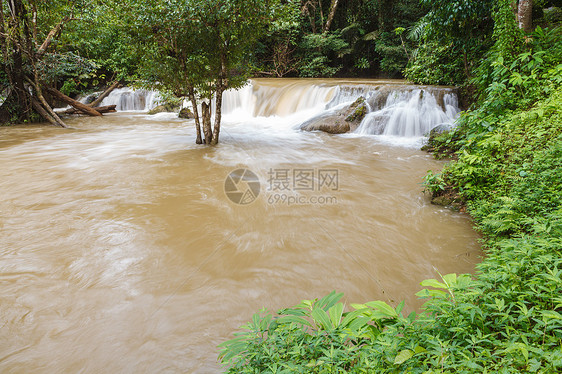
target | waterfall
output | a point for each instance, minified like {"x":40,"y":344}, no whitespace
{"x":128,"y":99}
{"x":409,"y":111}
{"x":277,"y":97}
{"x":394,"y":108}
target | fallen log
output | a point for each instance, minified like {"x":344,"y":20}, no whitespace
{"x":100,"y":98}
{"x":46,"y":115}
{"x":43,"y":107}
{"x":100,"y":109}
{"x":74,"y":103}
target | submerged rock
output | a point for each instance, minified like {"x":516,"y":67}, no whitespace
{"x":339,"y":122}
{"x":442,"y":200}
{"x":186,"y":113}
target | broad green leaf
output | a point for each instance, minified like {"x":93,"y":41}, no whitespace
{"x":403,"y":356}
{"x":431,"y":293}
{"x":335,"y":313}
{"x":450,"y":279}
{"x":294,"y":319}
{"x":551,"y":314}
{"x":358,"y":306}
{"x":419,"y":349}
{"x":357,"y":324}
{"x":329,"y":300}
{"x":351,"y":316}
{"x":321,"y":318}
{"x":433,"y":283}
{"x":383,"y":307}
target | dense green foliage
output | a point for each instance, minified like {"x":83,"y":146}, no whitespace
{"x":508,"y":170}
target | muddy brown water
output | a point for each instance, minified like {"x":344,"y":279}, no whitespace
{"x":120,"y":251}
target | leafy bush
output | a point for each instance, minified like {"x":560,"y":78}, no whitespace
{"x":317,"y":50}
{"x":435,"y":64}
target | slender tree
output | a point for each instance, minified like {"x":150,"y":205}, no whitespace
{"x":202,"y":48}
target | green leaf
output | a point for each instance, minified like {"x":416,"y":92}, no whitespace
{"x":321,"y":318}
{"x":335,"y":313}
{"x":294,"y":319}
{"x":403,"y":356}
{"x":329,"y":300}
{"x":433,"y":283}
{"x":383,"y":307}
{"x":419,"y":349}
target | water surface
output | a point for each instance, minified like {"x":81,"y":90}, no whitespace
{"x":120,"y":252}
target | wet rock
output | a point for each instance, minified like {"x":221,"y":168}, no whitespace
{"x":440,"y":129}
{"x":442,"y":200}
{"x":339,"y":122}
{"x":166,"y":107}
{"x":186,"y":113}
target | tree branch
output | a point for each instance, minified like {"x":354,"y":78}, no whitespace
{"x":100,"y":98}
{"x":54,"y":32}
{"x":331,"y":15}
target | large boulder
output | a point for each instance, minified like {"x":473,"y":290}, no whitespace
{"x":186,"y":113}
{"x":339,"y":122}
{"x":166,"y":107}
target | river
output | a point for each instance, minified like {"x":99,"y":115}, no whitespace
{"x":121,"y":252}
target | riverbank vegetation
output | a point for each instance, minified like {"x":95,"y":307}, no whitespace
{"x":508,"y":172}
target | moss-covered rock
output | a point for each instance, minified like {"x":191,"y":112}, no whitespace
{"x":186,"y":113}
{"x":339,"y":122}
{"x":166,"y":107}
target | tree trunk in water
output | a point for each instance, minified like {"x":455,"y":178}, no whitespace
{"x":206,"y":117}
{"x":191,"y":92}
{"x":51,"y":115}
{"x":331,"y":15}
{"x":525,"y":15}
{"x":55,"y":121}
{"x":98,"y":101}
{"x":218,"y":114}
{"x":76,"y":104}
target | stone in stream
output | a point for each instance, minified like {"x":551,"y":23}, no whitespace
{"x":166,"y":107}
{"x":186,"y":113}
{"x":339,"y":122}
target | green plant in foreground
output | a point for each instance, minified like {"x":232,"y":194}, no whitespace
{"x":315,"y":335}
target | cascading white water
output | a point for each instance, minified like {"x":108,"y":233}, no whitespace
{"x":128,"y":99}
{"x":394,"y":108}
{"x":409,"y":112}
{"x":266,"y":98}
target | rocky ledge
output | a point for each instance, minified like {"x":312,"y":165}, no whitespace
{"x":339,"y":122}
